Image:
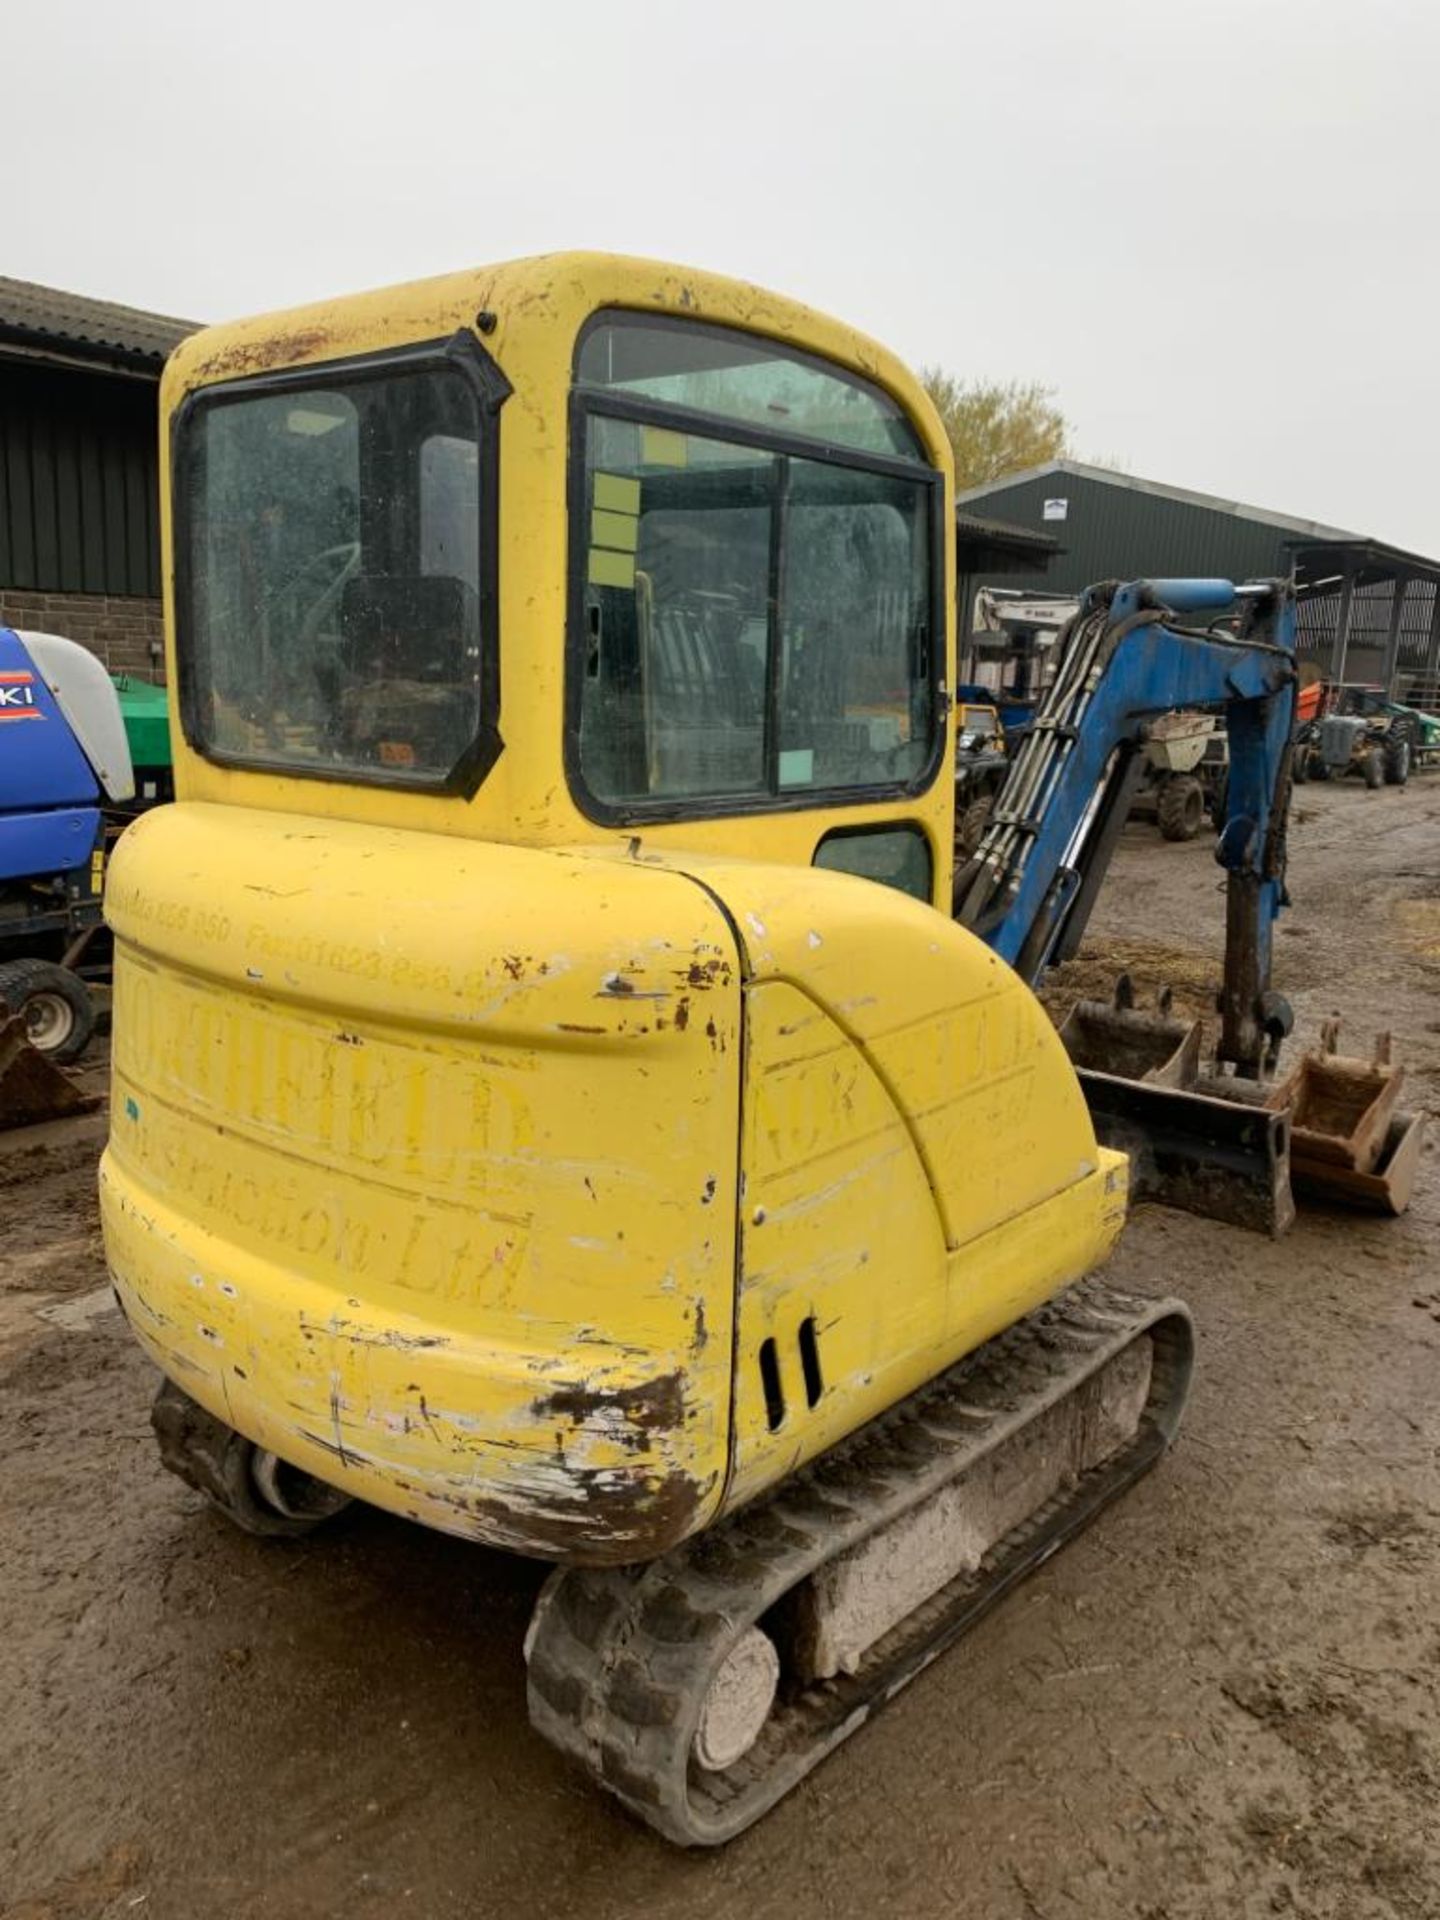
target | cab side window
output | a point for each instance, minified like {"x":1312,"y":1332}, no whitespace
{"x":755,"y":610}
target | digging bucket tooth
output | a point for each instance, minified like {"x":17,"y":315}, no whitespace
{"x":32,"y":1088}
{"x":702,"y":1687}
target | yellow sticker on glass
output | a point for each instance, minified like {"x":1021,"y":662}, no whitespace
{"x":619,"y":530}
{"x":615,"y":493}
{"x":611,"y":569}
{"x":661,"y":447}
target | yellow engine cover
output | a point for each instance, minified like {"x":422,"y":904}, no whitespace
{"x":474,"y":1178}
{"x":422,"y":1170}
{"x":918,"y":1167}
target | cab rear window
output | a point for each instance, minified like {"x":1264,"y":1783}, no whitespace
{"x":336,"y":541}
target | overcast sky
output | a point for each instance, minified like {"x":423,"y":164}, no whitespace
{"x":1210,"y":225}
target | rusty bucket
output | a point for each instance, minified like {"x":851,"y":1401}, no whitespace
{"x":32,"y":1087}
{"x":1340,"y":1106}
{"x":1350,"y":1143}
{"x":1115,"y":1037}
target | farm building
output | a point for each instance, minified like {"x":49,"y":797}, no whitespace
{"x":1369,"y":611}
{"x":79,"y":488}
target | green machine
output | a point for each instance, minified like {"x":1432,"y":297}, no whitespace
{"x":146,"y":712}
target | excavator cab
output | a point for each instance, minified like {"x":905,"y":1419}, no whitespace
{"x":552,"y":1100}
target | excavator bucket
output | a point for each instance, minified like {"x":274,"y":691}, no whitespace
{"x":1350,"y":1142}
{"x":1330,"y":1133}
{"x":1207,"y":1146}
{"x":1219,"y":1155}
{"x":1386,"y":1188}
{"x":1116,"y":1037}
{"x":33,"y":1088}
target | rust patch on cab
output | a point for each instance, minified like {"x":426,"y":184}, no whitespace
{"x":244,"y":357}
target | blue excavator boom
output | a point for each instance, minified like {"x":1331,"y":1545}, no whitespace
{"x":1129,"y":655}
{"x":1133,"y":652}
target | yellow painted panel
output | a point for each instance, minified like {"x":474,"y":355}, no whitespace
{"x":972,"y":1058}
{"x":839,"y":1226}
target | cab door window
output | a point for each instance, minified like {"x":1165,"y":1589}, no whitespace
{"x":677,"y":621}
{"x":755,"y":615}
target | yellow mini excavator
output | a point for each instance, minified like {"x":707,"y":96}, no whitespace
{"x":555,"y":1099}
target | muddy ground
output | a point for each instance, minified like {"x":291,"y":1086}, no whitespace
{"x":1221,"y":1701}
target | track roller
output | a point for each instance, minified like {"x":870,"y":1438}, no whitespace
{"x":702,"y":1687}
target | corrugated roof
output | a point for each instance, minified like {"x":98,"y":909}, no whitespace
{"x":1376,"y":558}
{"x":1308,"y":529}
{"x":982,"y":527}
{"x":90,"y":329}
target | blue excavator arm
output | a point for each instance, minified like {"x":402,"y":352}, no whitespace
{"x":1132,"y":652}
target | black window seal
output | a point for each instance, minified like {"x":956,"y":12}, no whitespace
{"x":460,"y":350}
{"x":588,"y":401}
{"x":779,"y":522}
{"x":642,"y":319}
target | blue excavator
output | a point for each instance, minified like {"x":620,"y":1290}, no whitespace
{"x":1202,"y":1140}
{"x":1220,"y":1133}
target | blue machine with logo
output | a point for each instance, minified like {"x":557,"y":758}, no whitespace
{"x":63,"y":761}
{"x":50,"y":819}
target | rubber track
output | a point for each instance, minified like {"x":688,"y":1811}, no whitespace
{"x":620,"y":1659}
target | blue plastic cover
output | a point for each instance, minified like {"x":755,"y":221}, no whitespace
{"x":39,"y":846}
{"x":41,"y":764}
{"x":49,"y":816}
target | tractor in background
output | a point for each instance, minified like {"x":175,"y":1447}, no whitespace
{"x":145,"y":711}
{"x":1357,"y":731}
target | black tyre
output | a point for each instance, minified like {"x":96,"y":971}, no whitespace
{"x":970,"y":826}
{"x":1372,"y":768}
{"x":1398,"y":753}
{"x":258,"y":1491}
{"x":55,"y":1004}
{"x":1181,"y":808}
{"x":1300,"y":765}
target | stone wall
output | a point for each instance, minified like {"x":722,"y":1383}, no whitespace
{"x":126,"y":633}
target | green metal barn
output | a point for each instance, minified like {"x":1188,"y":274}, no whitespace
{"x":1369,"y":611}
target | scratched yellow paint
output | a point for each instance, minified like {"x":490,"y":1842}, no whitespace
{"x":423,"y":1163}
{"x":465,"y":1152}
{"x":919,"y":1165}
